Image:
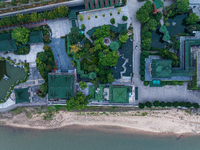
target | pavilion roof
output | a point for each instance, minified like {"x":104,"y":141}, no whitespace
{"x":161,"y":68}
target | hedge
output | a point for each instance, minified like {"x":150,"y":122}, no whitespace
{"x":59,"y":12}
{"x":168,"y":104}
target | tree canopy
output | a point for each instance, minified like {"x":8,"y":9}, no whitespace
{"x":192,"y":18}
{"x":20,"y":35}
{"x":183,"y":5}
{"x":104,"y":31}
{"x":78,"y":102}
{"x":110,"y":59}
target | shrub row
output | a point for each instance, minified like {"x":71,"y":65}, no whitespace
{"x":61,"y":11}
{"x":168,"y":104}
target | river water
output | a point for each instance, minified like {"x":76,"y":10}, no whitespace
{"x":90,"y":138}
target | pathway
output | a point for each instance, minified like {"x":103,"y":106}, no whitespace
{"x":60,"y":27}
{"x":166,"y":93}
{"x":30,"y":57}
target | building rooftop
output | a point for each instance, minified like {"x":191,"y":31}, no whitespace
{"x":119,"y":94}
{"x":35,"y":37}
{"x":61,"y":85}
{"x":161,"y":68}
{"x":158,"y":4}
{"x":7,"y":43}
{"x":22,"y":95}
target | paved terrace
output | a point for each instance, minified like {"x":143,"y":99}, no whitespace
{"x":100,"y":20}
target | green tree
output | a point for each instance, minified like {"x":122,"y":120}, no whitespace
{"x":103,"y":32}
{"x":192,"y":18}
{"x":82,"y":85}
{"x":80,"y":17}
{"x":142,"y":15}
{"x":78,"y":102}
{"x":124,"y":18}
{"x":148,"y":6}
{"x":110,"y":78}
{"x":114,"y":46}
{"x":195,"y":105}
{"x":63,"y":11}
{"x":110,"y":59}
{"x":183,"y":5}
{"x":141,"y":105}
{"x":148,"y":104}
{"x":92,"y":75}
{"x":20,"y":18}
{"x":169,"y":104}
{"x":123,"y":38}
{"x":158,"y":16}
{"x":112,"y":21}
{"x":176,"y":104}
{"x":176,"y":45}
{"x":152,"y":23}
{"x":74,"y":37}
{"x":42,"y":56}
{"x":156,"y":103}
{"x":33,"y":17}
{"x":162,"y":104}
{"x":44,"y":88}
{"x":20,"y":35}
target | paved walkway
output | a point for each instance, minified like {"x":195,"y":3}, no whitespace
{"x":30,"y":57}
{"x":166,"y":93}
{"x":59,"y":27}
{"x":60,"y":55}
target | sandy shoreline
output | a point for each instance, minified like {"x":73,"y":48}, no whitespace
{"x":154,"y":121}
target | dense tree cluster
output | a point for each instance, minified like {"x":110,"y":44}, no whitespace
{"x":20,"y":35}
{"x":166,"y":54}
{"x":179,"y":7}
{"x":61,"y":11}
{"x":168,"y":104}
{"x":143,"y":14}
{"x":192,"y":18}
{"x":78,"y":102}
{"x":96,"y":57}
{"x":45,"y":64}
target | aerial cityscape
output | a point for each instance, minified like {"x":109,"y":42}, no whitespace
{"x":132,"y":64}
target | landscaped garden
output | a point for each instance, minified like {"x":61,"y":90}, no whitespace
{"x":163,"y":39}
{"x":99,"y":55}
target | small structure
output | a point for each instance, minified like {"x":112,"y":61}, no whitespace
{"x":61,"y":86}
{"x":106,"y":41}
{"x":173,"y":23}
{"x":35,"y":37}
{"x":5,"y":77}
{"x":157,"y":5}
{"x":163,"y":29}
{"x":161,"y":68}
{"x":119,"y":94}
{"x":7,"y":43}
{"x":22,"y":95}
{"x":111,"y":94}
{"x":114,"y":46}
